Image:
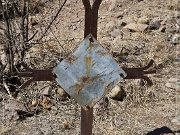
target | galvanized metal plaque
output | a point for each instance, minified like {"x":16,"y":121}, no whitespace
{"x":88,"y":73}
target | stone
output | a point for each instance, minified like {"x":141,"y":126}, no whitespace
{"x":162,"y":29}
{"x":136,"y":27}
{"x":154,"y":25}
{"x":116,"y":33}
{"x":144,"y":20}
{"x":46,"y":91}
{"x":66,"y":124}
{"x":34,"y":103}
{"x":61,"y":94}
{"x":110,"y":25}
{"x":117,"y":93}
{"x":121,"y":23}
{"x":175,"y":39}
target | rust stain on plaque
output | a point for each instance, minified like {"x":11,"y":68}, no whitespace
{"x":71,"y":59}
{"x":82,"y":82}
{"x":88,"y":63}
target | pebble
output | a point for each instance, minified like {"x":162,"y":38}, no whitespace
{"x":175,"y":39}
{"x":121,"y":23}
{"x":46,"y":91}
{"x":62,"y":94}
{"x":162,"y":29}
{"x":144,"y":20}
{"x":116,"y":33}
{"x":154,"y":25}
{"x":110,"y":25}
{"x":34,"y":103}
{"x":117,"y":93}
{"x":136,"y":27}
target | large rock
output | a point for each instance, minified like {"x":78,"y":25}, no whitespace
{"x":136,"y":27}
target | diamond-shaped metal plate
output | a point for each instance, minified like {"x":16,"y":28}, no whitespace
{"x":88,"y":73}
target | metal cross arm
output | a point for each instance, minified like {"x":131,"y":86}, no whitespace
{"x":47,"y":74}
{"x":34,"y":75}
{"x":139,"y":73}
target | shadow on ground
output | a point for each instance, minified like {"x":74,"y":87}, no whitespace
{"x":162,"y":131}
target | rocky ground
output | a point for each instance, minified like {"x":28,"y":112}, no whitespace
{"x":134,"y":32}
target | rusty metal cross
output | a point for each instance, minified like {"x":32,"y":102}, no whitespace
{"x":91,"y":22}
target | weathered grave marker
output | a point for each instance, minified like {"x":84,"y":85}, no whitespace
{"x":90,"y":72}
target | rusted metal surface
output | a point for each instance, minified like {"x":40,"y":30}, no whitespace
{"x":35,"y":75}
{"x":86,"y":121}
{"x":91,"y":75}
{"x":139,"y":73}
{"x":91,"y":17}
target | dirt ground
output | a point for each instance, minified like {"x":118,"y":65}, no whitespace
{"x":138,"y":31}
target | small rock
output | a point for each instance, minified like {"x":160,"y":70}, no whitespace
{"x":121,"y":23}
{"x":33,"y":21}
{"x":46,"y":91}
{"x":144,"y":20}
{"x":116,"y":33}
{"x":34,"y":103}
{"x":175,"y":39}
{"x":110,"y":25}
{"x":136,"y":27}
{"x":119,"y":15}
{"x":62,"y":94}
{"x":66,"y":124}
{"x":117,"y":93}
{"x":162,"y":29}
{"x":154,"y":25}
{"x":46,"y":103}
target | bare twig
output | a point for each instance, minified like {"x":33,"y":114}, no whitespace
{"x":54,"y":18}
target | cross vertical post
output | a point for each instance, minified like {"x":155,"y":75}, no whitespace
{"x":91,"y":20}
